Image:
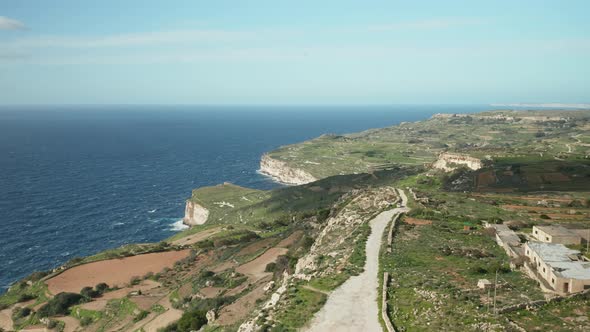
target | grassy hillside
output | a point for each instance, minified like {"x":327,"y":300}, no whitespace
{"x":491,"y":134}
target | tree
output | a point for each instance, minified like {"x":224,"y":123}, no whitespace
{"x":60,"y":304}
{"x":101,"y":288}
{"x":89,"y":293}
{"x":192,"y":321}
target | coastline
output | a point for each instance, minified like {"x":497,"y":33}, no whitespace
{"x":280,"y":172}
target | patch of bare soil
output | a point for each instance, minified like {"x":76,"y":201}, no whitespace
{"x":185,"y":290}
{"x":527,"y":198}
{"x":35,"y":328}
{"x":144,"y":286}
{"x":210,"y":292}
{"x":170,"y":316}
{"x":72,"y":324}
{"x":194,"y":238}
{"x":237,"y":290}
{"x":289,"y":241}
{"x":113,"y":271}
{"x":145,"y":302}
{"x":96,"y":305}
{"x":242,"y":307}
{"x":255,"y":247}
{"x":6,"y":319}
{"x":224,"y":266}
{"x":255,"y":268}
{"x":415,"y":221}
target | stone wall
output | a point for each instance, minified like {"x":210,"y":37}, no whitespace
{"x":384,"y":316}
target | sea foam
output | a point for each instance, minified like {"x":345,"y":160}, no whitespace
{"x":178,"y":226}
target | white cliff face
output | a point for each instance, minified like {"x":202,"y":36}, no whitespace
{"x":451,"y":161}
{"x":194,"y":214}
{"x":281,"y":172}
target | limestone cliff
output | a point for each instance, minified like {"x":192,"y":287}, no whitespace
{"x":281,"y":172}
{"x":194,"y":214}
{"x":451,"y":161}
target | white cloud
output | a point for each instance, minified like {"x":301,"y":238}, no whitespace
{"x":132,"y":39}
{"x":427,"y":24}
{"x":10,"y":24}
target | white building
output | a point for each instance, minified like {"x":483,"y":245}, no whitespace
{"x":562,"y":268}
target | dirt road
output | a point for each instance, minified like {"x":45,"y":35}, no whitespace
{"x":353,"y":306}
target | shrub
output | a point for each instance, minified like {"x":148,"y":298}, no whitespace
{"x":19,"y":313}
{"x":191,"y":321}
{"x":74,"y":261}
{"x":52,"y":324}
{"x":85,"y":321}
{"x":36,"y":276}
{"x":143,"y":314}
{"x":544,"y":216}
{"x":89,"y":293}
{"x":135,"y":280}
{"x":323,"y":214}
{"x":26,"y":297}
{"x":101,"y":288}
{"x":60,"y":304}
{"x":270,"y":267}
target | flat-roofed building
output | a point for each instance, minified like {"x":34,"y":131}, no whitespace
{"x":556,"y":234}
{"x":562,"y":268}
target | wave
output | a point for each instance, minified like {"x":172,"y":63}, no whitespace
{"x":178,"y":226}
{"x":152,"y":211}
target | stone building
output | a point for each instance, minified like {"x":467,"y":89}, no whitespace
{"x":563,"y":269}
{"x":556,"y":234}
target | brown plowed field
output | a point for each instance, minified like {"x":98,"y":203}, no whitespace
{"x":115,"y":272}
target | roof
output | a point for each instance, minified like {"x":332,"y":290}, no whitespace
{"x":552,"y":252}
{"x":556,"y":231}
{"x":559,"y":258}
{"x":574,"y":270}
{"x":507,"y":235}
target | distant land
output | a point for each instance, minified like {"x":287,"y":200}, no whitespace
{"x":545,"y":105}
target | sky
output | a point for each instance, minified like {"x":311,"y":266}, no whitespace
{"x":294,"y":52}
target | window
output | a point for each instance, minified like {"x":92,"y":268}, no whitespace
{"x":527,"y":252}
{"x":536,"y":232}
{"x":539,"y":264}
{"x":543,"y":269}
{"x":552,"y":280}
{"x":546,"y":238}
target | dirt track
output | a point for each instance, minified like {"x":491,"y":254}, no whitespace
{"x":353,"y":306}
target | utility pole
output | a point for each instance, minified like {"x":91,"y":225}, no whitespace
{"x":495,"y":291}
{"x":489,"y":298}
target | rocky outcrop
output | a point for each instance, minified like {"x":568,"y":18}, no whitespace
{"x":450,"y":161}
{"x":194,"y":214}
{"x":334,"y":240}
{"x":279,"y":171}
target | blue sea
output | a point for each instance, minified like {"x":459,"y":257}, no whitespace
{"x":75,"y":180}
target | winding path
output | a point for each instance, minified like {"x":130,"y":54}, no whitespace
{"x":353,"y":306}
